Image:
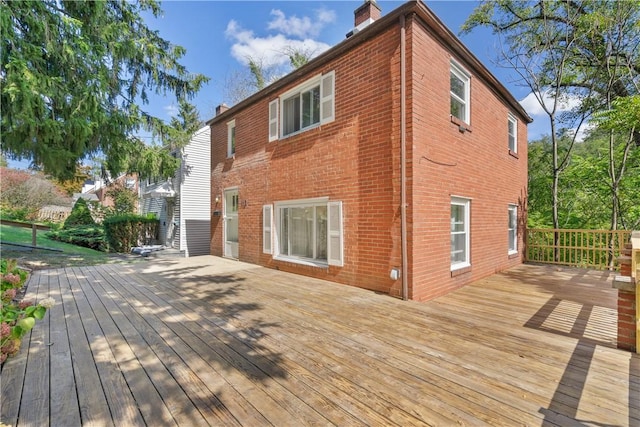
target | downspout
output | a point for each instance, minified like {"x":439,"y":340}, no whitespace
{"x":403,"y":161}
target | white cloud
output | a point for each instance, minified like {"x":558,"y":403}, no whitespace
{"x":541,"y":126}
{"x":304,"y":27}
{"x":292,"y":33}
{"x":531,"y":104}
{"x":171,"y":110}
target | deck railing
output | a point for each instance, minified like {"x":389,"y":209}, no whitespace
{"x":597,"y":249}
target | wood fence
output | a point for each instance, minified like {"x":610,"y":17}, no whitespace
{"x":597,"y":249}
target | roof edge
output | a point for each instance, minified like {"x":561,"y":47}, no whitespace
{"x":439,"y":29}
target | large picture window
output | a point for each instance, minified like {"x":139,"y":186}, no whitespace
{"x":306,"y":231}
{"x":460,"y":93}
{"x":460,"y":256}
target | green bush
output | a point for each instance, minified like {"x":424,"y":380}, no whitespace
{"x":80,"y":215}
{"x":19,"y":214}
{"x":92,"y":237}
{"x":126,"y":231}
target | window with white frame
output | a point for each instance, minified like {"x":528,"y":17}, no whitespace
{"x":304,"y":107}
{"x":460,"y":250}
{"x":513,"y":229}
{"x":512,"y":126}
{"x":231,"y":138}
{"x":460,"y":93}
{"x":305,"y":231}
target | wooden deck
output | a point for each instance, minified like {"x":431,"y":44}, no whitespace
{"x":209,"y":341}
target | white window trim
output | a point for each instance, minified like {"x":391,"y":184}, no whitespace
{"x":513,"y":207}
{"x":511,"y":119}
{"x":273,"y":120}
{"x":267,"y":229}
{"x":275,"y":232}
{"x":327,"y":105}
{"x":230,"y":126}
{"x":463,"y":75}
{"x":455,"y":200}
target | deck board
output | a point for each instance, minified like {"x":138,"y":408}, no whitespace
{"x":209,"y":341}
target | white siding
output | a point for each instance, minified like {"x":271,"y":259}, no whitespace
{"x":158,"y":206}
{"x":194,"y":191}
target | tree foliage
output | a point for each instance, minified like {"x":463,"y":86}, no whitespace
{"x":76,"y":77}
{"x":244,"y":83}
{"x":80,"y":215}
{"x":586,"y":51}
{"x":23,"y":194}
{"x":75,"y":183}
{"x":584,"y":188}
{"x":125,"y":201}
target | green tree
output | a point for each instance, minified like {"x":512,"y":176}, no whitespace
{"x":125,"y":201}
{"x":585,"y":50}
{"x":184,"y":125}
{"x":80,"y":215}
{"x":76,"y":77}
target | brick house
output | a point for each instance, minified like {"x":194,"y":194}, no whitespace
{"x":395,"y":162}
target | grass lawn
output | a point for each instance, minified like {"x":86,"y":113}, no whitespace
{"x":65,"y":254}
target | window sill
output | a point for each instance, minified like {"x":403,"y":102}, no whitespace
{"x":298,"y":132}
{"x":513,"y":154}
{"x":513,"y":255}
{"x":457,"y":271}
{"x":306,"y":262}
{"x":462,"y":126}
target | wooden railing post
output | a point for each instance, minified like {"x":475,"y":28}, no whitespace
{"x":34,"y":234}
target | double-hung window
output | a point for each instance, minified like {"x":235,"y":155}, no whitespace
{"x":231,"y":138}
{"x":460,"y":239}
{"x":304,"y":107}
{"x":300,"y":111}
{"x":305,"y":231}
{"x":512,"y":127}
{"x":460,"y":93}
{"x":513,"y":229}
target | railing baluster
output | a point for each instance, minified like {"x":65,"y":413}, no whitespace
{"x":582,"y":248}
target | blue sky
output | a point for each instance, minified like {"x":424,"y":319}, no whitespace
{"x":220,"y":35}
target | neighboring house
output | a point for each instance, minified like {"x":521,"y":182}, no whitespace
{"x":95,"y":190}
{"x":182,"y":204}
{"x":395,"y":161}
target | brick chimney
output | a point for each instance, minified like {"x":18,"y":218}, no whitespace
{"x":369,"y":11}
{"x":221,"y":109}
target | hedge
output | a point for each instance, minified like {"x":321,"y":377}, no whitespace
{"x":126,"y":231}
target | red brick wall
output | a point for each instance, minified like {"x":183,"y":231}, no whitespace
{"x":356,"y":159}
{"x":475,"y":164}
{"x":353,"y":159}
{"x":626,"y":320}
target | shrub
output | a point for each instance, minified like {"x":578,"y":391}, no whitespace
{"x":80,"y":215}
{"x":126,"y":231}
{"x":16,"y":317}
{"x":89,"y":236}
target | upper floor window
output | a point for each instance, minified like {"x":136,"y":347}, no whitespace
{"x":231,"y":138}
{"x":512,"y":126}
{"x":460,"y":256}
{"x":460,"y":93}
{"x":513,"y":229}
{"x":304,"y":107}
